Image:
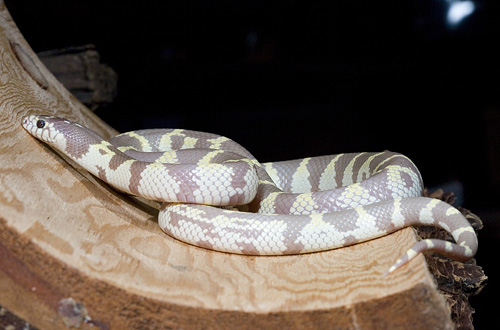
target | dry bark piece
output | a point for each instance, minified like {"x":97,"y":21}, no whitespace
{"x":457,"y":281}
{"x":9,"y":321}
{"x":80,"y":70}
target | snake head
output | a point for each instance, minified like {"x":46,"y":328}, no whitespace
{"x":64,"y":135}
{"x":46,"y":128}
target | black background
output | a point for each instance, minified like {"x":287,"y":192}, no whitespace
{"x":290,"y":80}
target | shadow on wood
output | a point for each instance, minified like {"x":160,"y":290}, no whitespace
{"x":75,"y":252}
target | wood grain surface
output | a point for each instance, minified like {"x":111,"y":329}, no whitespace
{"x":65,"y":234}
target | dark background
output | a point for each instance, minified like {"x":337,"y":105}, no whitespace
{"x":290,"y":80}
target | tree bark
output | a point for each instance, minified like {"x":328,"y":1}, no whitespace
{"x":74,"y":252}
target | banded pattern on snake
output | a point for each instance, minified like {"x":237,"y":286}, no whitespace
{"x":218,"y":196}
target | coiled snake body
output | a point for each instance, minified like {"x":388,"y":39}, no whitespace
{"x":218,"y":196}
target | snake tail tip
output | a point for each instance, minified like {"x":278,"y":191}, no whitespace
{"x":400,"y":262}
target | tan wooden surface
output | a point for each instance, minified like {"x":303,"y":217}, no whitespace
{"x":65,"y":234}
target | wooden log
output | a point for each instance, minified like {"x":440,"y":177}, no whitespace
{"x":80,"y":70}
{"x":74,"y":252}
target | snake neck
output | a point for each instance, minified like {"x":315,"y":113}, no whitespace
{"x":89,"y":150}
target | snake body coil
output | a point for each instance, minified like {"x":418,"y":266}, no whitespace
{"x":291,"y":207}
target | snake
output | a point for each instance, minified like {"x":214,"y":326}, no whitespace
{"x":216,"y":195}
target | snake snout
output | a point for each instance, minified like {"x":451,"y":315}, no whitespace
{"x":26,"y":121}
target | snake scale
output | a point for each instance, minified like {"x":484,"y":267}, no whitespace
{"x":218,"y":196}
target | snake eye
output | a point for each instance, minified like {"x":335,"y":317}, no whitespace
{"x":40,"y":123}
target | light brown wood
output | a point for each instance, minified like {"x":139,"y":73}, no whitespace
{"x":65,"y":234}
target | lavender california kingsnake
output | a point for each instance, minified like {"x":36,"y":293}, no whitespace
{"x":218,"y":196}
